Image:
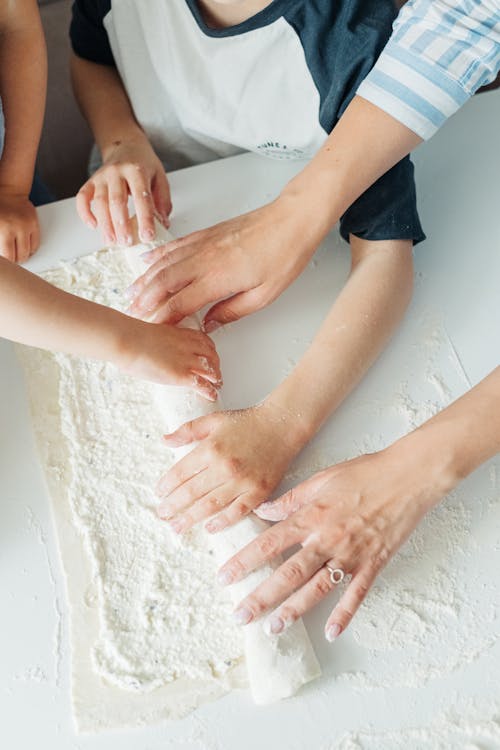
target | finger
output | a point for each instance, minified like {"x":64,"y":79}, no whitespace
{"x":241,"y":507}
{"x":35,"y":237}
{"x":8,"y":247}
{"x":286,"y":505}
{"x":287,"y":578}
{"x":300,"y":602}
{"x":101,"y":210}
{"x":189,"y":492}
{"x":161,"y":257}
{"x":349,"y":602}
{"x":304,"y":494}
{"x":271,"y":542}
{"x":208,"y":367}
{"x":140,"y":190}
{"x":186,"y":302}
{"x":204,"y":388}
{"x":206,"y":506}
{"x":161,"y":197}
{"x":196,"y":429}
{"x":34,"y":241}
{"x":233,"y":309}
{"x":118,"y":207}
{"x":163,"y":282}
{"x":194,"y":462}
{"x":83,"y":200}
{"x":23,"y":247}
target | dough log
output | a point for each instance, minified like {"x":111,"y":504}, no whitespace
{"x":277,"y":665}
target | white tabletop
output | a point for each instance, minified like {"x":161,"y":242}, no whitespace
{"x":370,"y":696}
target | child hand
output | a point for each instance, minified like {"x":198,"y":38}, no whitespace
{"x":242,"y":456}
{"x":129,"y":168}
{"x":172,"y":356}
{"x":19,"y":228}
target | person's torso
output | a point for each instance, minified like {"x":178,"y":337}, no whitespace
{"x":275,"y":84}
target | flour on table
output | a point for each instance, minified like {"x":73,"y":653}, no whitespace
{"x":159,"y":633}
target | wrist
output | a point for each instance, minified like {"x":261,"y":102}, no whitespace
{"x":131,"y":137}
{"x":288,"y":420}
{"x":429,"y":456}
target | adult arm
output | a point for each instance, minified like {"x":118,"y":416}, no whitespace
{"x":229,"y":472}
{"x":439,"y":55}
{"x":23,"y":85}
{"x":357,"y":514}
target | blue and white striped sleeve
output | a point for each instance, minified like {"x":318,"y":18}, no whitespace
{"x":440,"y":53}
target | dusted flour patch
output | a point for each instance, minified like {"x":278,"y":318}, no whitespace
{"x":152,"y":635}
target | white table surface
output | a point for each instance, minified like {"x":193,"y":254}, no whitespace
{"x":458,"y":284}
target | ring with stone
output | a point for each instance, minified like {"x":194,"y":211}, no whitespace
{"x":336,"y":574}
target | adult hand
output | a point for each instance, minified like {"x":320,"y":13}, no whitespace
{"x":230,"y":471}
{"x":129,"y":168}
{"x":353,"y":516}
{"x":19,"y":227}
{"x":242,"y":264}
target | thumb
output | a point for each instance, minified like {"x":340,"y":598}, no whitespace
{"x":196,"y":429}
{"x":284,"y":506}
{"x":234,"y":308}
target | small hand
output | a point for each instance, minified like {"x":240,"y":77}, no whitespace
{"x":354,"y":517}
{"x":245,"y":263}
{"x":19,"y":228}
{"x":240,"y":460}
{"x":173,"y":356}
{"x":129,"y":168}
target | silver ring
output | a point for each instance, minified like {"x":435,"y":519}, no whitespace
{"x":336,"y":574}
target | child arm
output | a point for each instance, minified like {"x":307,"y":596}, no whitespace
{"x":23,"y":84}
{"x":35,"y":313}
{"x":237,"y":446}
{"x":130,"y":166}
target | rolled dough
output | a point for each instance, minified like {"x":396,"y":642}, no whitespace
{"x":151,"y":636}
{"x":277,"y":665}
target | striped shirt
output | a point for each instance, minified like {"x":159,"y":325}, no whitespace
{"x":440,"y":53}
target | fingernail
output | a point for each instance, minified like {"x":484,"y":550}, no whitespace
{"x":333,"y":632}
{"x":177,"y":525}
{"x":274,"y":625}
{"x":128,"y":239}
{"x":148,"y":234}
{"x":131,"y":292}
{"x":215,"y":525}
{"x":164,"y":511}
{"x":90,"y":224}
{"x":146,"y":256}
{"x":211,"y":326}
{"x":224,"y":577}
{"x":242,"y":616}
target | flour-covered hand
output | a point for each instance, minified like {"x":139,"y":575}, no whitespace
{"x":169,"y":355}
{"x":240,"y":460}
{"x":354,"y":517}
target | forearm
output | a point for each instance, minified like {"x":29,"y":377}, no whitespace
{"x":23,"y":85}
{"x":359,"y":324}
{"x":104,"y":103}
{"x":35,"y":313}
{"x":363,"y":146}
{"x":455,"y":442}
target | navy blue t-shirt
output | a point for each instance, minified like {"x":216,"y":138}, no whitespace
{"x":275,"y":84}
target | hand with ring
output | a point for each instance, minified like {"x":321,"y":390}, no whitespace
{"x":349,"y":520}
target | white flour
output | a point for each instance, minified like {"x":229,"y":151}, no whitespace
{"x":161,"y":619}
